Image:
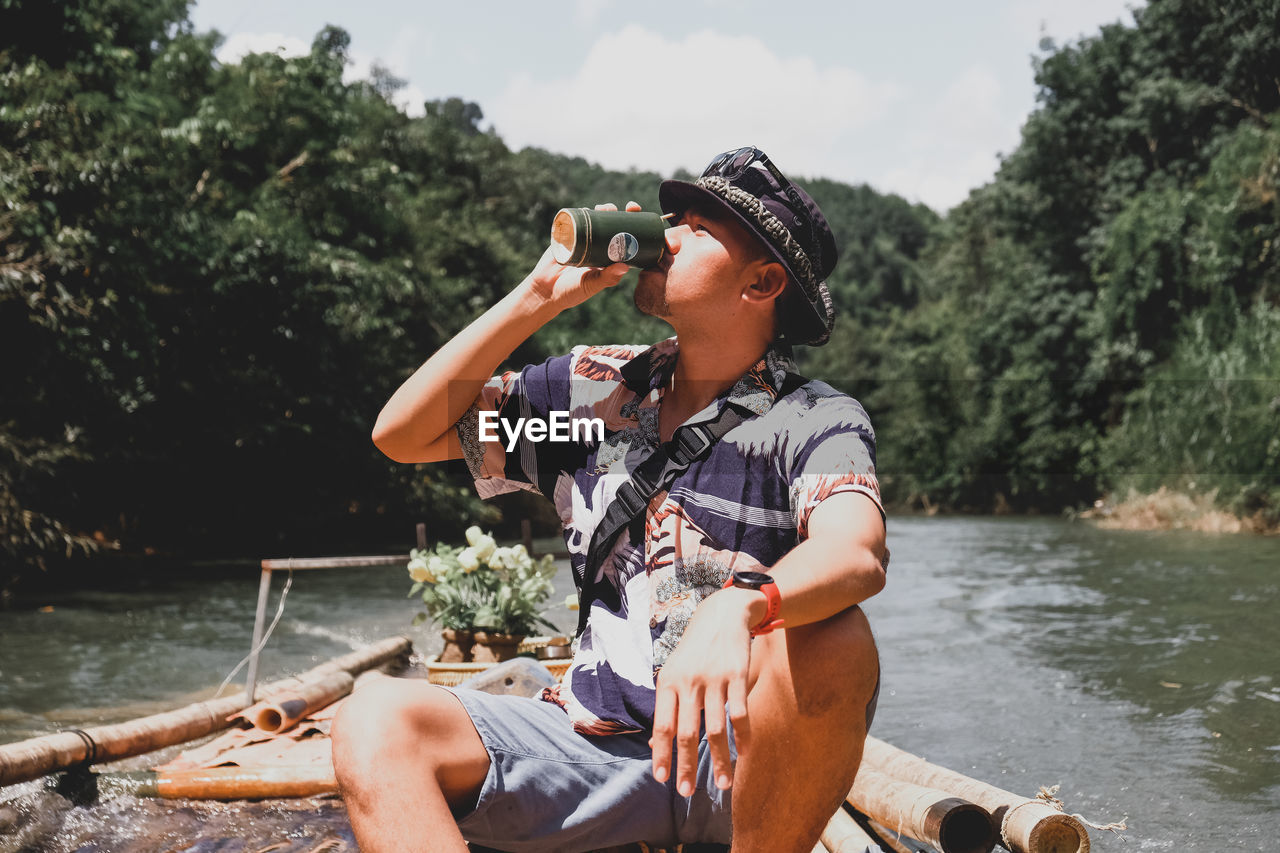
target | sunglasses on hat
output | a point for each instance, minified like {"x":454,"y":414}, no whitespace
{"x":732,"y":165}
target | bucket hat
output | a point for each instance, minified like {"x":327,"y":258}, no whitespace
{"x":746,"y":184}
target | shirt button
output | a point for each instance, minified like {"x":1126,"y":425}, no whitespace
{"x":653,"y":622}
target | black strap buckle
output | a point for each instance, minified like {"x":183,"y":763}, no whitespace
{"x":688,"y":444}
{"x":630,"y":499}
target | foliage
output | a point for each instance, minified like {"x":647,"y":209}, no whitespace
{"x":28,"y":536}
{"x":1208,"y":421}
{"x":482,"y":585}
{"x":1140,"y":206}
{"x":213,"y":275}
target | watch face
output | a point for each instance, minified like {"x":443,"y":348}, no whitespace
{"x":751,"y":580}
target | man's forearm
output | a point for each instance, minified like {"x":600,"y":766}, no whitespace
{"x":838,"y":566}
{"x":415,"y":423}
{"x":819,"y":578}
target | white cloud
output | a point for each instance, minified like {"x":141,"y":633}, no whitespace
{"x":642,"y":100}
{"x":360,"y":67}
{"x":1064,"y":22}
{"x":954,"y":143}
{"x":238,"y":46}
{"x":589,"y":12}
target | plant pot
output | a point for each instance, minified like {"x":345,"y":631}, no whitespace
{"x":495,"y":647}
{"x":457,"y":646}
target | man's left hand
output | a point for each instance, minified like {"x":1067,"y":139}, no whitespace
{"x":708,"y":671}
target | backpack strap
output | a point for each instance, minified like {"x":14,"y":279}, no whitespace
{"x":654,"y":474}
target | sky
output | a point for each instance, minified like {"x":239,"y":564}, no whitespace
{"x":918,"y":98}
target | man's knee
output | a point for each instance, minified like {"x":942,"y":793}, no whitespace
{"x":842,"y":640}
{"x":831,"y":665}
{"x":414,"y":726}
{"x":381,"y":720}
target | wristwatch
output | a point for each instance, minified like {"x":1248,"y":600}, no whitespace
{"x":764,"y":583}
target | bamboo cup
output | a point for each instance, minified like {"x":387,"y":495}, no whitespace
{"x":583,"y":237}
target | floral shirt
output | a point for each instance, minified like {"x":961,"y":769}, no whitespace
{"x":741,"y":506}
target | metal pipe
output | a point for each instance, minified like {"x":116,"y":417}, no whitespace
{"x":259,"y":622}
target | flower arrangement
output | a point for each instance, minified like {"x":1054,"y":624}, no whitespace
{"x":482,"y":586}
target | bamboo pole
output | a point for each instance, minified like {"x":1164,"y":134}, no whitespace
{"x":259,"y":625}
{"x":247,"y":783}
{"x":284,"y":710}
{"x":36,"y":757}
{"x":896,"y":842}
{"x":951,"y":824}
{"x":298,"y":563}
{"x":843,"y":835}
{"x":1026,"y":825}
{"x":226,"y":783}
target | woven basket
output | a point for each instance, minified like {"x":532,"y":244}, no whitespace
{"x":453,"y":674}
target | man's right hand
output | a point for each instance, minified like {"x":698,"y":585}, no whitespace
{"x":559,"y":286}
{"x":416,"y":424}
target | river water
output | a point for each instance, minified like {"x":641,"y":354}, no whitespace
{"x":1137,"y":671}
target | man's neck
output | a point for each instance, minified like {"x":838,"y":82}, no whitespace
{"x":703,"y":371}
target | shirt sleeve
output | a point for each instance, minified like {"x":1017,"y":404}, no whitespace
{"x":838,"y":456}
{"x":493,"y":423}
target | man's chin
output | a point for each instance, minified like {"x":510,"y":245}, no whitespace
{"x":651,"y":293}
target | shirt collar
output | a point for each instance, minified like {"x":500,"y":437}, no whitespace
{"x":755,"y":391}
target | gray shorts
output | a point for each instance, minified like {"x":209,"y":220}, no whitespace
{"x":550,"y":788}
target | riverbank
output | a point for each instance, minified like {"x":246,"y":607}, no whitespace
{"x":1166,"y":509}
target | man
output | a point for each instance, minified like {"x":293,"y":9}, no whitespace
{"x":675,"y":724}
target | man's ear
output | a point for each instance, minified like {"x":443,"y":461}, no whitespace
{"x":769,"y":282}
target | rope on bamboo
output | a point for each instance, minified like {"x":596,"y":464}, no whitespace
{"x":90,"y":746}
{"x":329,"y":845}
{"x":1049,"y":795}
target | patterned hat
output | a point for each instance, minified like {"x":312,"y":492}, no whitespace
{"x":788,"y":223}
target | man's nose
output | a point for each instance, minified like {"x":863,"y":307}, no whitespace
{"x":673,"y":237}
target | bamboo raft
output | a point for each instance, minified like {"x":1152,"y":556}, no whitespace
{"x":899,"y":802}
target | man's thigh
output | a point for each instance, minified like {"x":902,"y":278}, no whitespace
{"x":549,"y":788}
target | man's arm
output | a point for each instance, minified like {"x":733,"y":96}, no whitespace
{"x":840,"y":564}
{"x":416,"y":423}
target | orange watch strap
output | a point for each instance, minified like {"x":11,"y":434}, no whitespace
{"x":773,"y":600}
{"x":770,"y":620}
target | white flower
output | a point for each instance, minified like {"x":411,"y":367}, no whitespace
{"x":468,"y":559}
{"x":520,"y":551}
{"x":420,"y":573}
{"x":571,"y":601}
{"x":436,"y":564}
{"x":474,"y":535}
{"x":484,"y":547}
